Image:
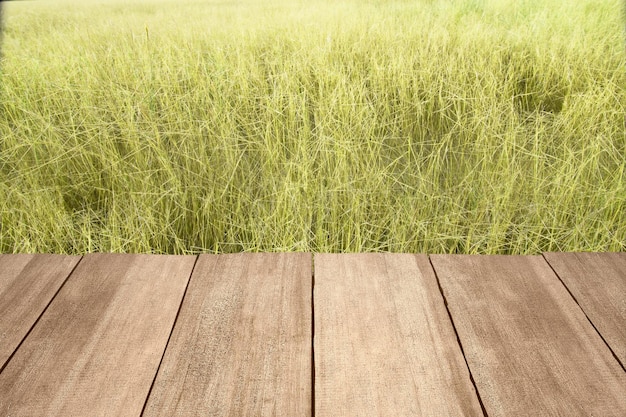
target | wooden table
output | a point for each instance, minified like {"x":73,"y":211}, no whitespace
{"x":296,"y":334}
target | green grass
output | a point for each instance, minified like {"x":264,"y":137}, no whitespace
{"x":465,"y":126}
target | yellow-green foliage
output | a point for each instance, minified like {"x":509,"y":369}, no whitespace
{"x":494,"y":126}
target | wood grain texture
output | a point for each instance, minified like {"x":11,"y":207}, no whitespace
{"x":530,"y":348}
{"x":598,"y":281}
{"x":27,"y":284}
{"x":384,"y":344}
{"x":97,"y":348}
{"x":242,"y":342}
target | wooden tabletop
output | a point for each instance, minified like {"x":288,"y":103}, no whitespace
{"x":296,"y":334}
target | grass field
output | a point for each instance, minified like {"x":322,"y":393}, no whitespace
{"x":468,"y":126}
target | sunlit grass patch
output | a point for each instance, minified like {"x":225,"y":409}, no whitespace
{"x":459,"y":126}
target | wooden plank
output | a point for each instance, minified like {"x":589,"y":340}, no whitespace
{"x":384,"y":344}
{"x":27,"y":284}
{"x":598,"y":281}
{"x":97,"y":348}
{"x":242,"y":342}
{"x":529,"y":346}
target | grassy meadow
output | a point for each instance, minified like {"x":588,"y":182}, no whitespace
{"x":441,"y":126}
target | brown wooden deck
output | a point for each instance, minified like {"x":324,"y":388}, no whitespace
{"x":289,"y":335}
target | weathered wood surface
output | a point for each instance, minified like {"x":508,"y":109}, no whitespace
{"x":598,"y":282}
{"x":242,"y":343}
{"x":384,"y":344}
{"x":529,"y":346}
{"x":27,"y":285}
{"x":97,"y":348}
